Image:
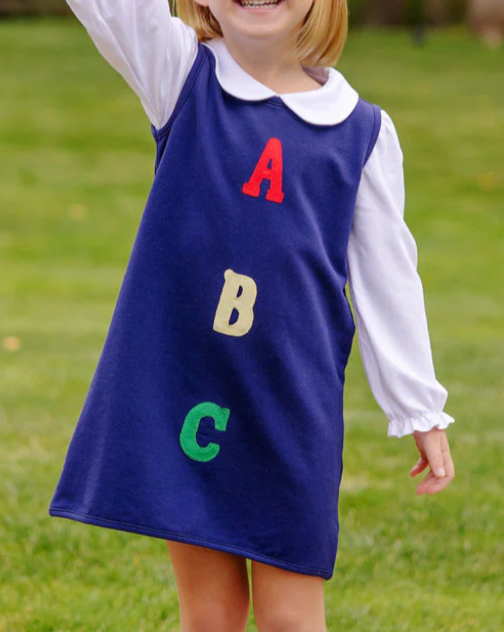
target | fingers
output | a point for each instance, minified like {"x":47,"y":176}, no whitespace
{"x":450,"y":466}
{"x":434,"y":452}
{"x":433,"y":484}
{"x":419,"y":467}
{"x":442,"y":469}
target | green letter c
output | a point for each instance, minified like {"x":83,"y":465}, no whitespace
{"x":190,"y":428}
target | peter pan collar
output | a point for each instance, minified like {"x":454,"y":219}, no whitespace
{"x":330,"y":104}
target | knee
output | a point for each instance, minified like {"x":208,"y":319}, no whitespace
{"x":215,"y":617}
{"x":283,"y":619}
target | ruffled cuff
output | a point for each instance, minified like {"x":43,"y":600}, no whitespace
{"x":401,"y":426}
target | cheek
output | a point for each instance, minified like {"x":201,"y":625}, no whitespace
{"x":307,"y":6}
{"x":217,"y":9}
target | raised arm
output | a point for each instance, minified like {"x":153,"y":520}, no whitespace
{"x":152,"y":50}
{"x":387,"y":296}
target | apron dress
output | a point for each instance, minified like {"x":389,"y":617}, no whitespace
{"x":215,"y":414}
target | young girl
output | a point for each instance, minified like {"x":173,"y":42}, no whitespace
{"x":214,"y":418}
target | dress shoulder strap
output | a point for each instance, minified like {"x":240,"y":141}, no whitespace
{"x":374,"y":112}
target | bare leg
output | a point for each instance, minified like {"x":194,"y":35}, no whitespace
{"x":284,"y":601}
{"x":213,"y":588}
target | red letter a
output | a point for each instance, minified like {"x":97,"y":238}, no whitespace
{"x":272,"y":153}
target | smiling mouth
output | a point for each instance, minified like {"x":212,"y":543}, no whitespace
{"x":258,"y":4}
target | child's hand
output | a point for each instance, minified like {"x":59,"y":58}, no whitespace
{"x":435,"y":452}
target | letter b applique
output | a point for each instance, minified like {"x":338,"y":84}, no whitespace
{"x":230,"y":300}
{"x":273,"y":153}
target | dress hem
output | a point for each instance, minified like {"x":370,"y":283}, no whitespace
{"x":168,"y":535}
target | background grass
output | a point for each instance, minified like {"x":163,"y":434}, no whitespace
{"x":76,"y":164}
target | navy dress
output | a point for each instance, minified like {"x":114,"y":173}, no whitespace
{"x":214,"y":416}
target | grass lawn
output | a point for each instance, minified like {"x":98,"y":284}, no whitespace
{"x":77,"y":160}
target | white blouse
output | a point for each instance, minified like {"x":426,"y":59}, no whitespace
{"x":154,"y":52}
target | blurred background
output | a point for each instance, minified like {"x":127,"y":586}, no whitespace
{"x":76,"y":166}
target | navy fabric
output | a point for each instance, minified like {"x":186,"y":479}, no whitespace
{"x":271,"y":493}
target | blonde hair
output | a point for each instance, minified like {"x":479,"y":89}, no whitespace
{"x":320,"y":40}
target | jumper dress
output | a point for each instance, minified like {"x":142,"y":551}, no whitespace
{"x":215,"y":414}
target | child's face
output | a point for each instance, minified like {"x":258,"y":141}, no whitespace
{"x":267,"y":23}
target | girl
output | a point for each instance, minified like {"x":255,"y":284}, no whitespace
{"x":214,"y":418}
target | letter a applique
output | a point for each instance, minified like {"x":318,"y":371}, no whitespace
{"x":273,"y":153}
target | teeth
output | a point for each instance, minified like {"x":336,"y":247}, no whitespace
{"x":258,"y":3}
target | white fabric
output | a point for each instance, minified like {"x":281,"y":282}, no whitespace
{"x":154,"y":52}
{"x":388,"y":299}
{"x":330,"y":104}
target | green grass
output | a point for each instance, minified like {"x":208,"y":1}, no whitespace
{"x":76,"y":160}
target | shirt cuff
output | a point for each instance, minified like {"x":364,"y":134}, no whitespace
{"x":423,"y":422}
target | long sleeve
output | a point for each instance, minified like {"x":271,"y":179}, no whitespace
{"x":387,"y":295}
{"x":152,"y":50}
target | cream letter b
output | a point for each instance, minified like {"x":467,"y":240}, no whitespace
{"x":230,"y":300}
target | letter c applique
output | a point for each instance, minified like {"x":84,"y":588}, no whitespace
{"x":188,"y":441}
